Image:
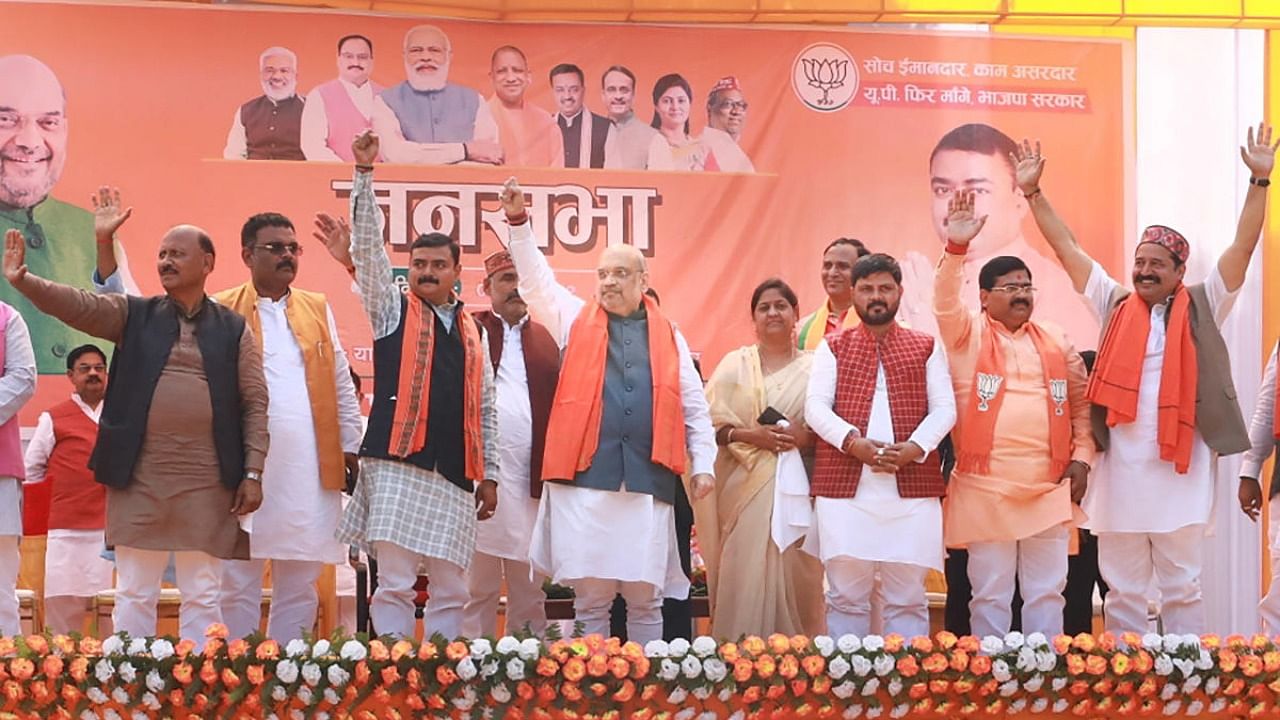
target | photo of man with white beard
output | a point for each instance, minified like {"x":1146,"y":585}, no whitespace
{"x":428,"y":120}
{"x":269,"y":127}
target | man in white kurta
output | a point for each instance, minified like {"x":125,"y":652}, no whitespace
{"x":1152,"y":499}
{"x":58,"y":453}
{"x":294,"y":528}
{"x":887,"y":521}
{"x":1262,"y":441}
{"x":606,"y":541}
{"x":17,"y":385}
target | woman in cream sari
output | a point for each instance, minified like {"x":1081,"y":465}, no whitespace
{"x":755,"y":588}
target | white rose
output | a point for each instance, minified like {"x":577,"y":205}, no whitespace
{"x":530,"y":648}
{"x":1194,"y":708}
{"x":1046,"y":661}
{"x":1164,"y":664}
{"x":861,"y":665}
{"x":872,"y":643}
{"x":353,"y":650}
{"x":691,"y":666}
{"x":1008,"y":688}
{"x":702,"y":692}
{"x":715,"y":669}
{"x":305,"y":696}
{"x":899,"y":711}
{"x":1039,"y":705}
{"x":1000,"y":670}
{"x":337,"y":676}
{"x":139,"y":715}
{"x":825,"y":645}
{"x":155,"y":683}
{"x":870,"y":687}
{"x":321,"y":648}
{"x":480,"y":647}
{"x":110,"y":714}
{"x":1169,"y":690}
{"x":278,"y":694}
{"x":1034,"y":683}
{"x":1026,"y":659}
{"x":311,"y":674}
{"x":161,"y":649}
{"x":1217,"y":705}
{"x":1018,"y":705}
{"x":128,"y":672}
{"x":704,"y":646}
{"x":1014,"y":640}
{"x":150,"y":700}
{"x":113,"y":645}
{"x":685,"y":714}
{"x":992,"y":645}
{"x":738,"y":715}
{"x":466,"y":669}
{"x":120,"y":695}
{"x":507,"y":645}
{"x":852,"y":643}
{"x":1211,"y":687}
{"x":707,"y":716}
{"x":724,"y":695}
{"x":296,"y":647}
{"x":287,"y":671}
{"x":844,"y":690}
{"x":883,"y":664}
{"x":1172,"y":642}
{"x":1191,"y":685}
{"x":852,"y":712}
{"x":1152,"y":641}
{"x":838,"y":668}
{"x":138,"y":646}
{"x":657,"y":649}
{"x":1037,"y":640}
{"x":875,"y":712}
{"x":489,"y":669}
{"x":96,"y":696}
{"x":1060,"y":705}
{"x":104,"y":670}
{"x":332,"y":697}
{"x":895,"y":687}
{"x":500,"y":693}
{"x":1191,"y":640}
{"x":1058,"y":683}
{"x":678,"y":696}
{"x":1205,"y":662}
{"x":515,"y":669}
{"x":668,"y":670}
{"x":1172,"y":708}
{"x":296,"y":714}
{"x":679,"y":647}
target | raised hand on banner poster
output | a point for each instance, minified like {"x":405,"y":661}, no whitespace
{"x":1028,"y":165}
{"x":1258,"y":153}
{"x":512,"y":199}
{"x":335,"y":233}
{"x":365,"y":147}
{"x":962,"y":226}
{"x":15,"y":257}
{"x":108,"y":214}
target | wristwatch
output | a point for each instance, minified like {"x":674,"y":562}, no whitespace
{"x":253,"y":475}
{"x":1260,"y":182}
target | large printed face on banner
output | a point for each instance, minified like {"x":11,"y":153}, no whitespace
{"x":723,"y":155}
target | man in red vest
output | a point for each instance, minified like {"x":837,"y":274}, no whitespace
{"x":74,"y":569}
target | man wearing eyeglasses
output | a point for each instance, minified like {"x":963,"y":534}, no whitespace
{"x":726,"y":119}
{"x":1023,"y":439}
{"x":313,"y":443}
{"x":33,"y":154}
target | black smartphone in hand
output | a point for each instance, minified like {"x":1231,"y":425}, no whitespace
{"x":770,"y":416}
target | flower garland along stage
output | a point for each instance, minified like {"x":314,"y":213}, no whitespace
{"x":593,"y":678}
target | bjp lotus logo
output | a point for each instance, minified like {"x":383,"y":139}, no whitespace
{"x":824,"y":77}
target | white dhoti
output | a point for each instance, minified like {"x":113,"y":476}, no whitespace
{"x":74,"y":573}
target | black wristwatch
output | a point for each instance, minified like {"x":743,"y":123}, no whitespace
{"x":1260,"y":182}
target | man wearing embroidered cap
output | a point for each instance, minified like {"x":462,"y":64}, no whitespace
{"x":526,"y":366}
{"x":1164,"y":402}
{"x":726,"y":119}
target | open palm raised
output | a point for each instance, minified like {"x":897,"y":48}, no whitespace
{"x":962,"y":225}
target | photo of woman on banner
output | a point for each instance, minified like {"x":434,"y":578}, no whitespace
{"x":674,"y":148}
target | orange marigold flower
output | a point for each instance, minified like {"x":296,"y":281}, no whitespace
{"x":428,"y":650}
{"x":946,"y":640}
{"x":625,"y":693}
{"x":267,"y":650}
{"x":908,"y":667}
{"x":1250,"y":665}
{"x":208,"y":673}
{"x":980,"y":665}
{"x":1104,"y":686}
{"x":64,"y":643}
{"x":632,"y":650}
{"x":217,"y":630}
{"x":1227,"y":661}
{"x":1143,"y":662}
{"x":1271,"y":661}
{"x":893,"y":642}
{"x":547,"y":693}
{"x":969,"y":644}
{"x":934,"y":663}
{"x":51,"y":666}
{"x":201,"y":701}
{"x":390,"y":675}
{"x":574,"y":670}
{"x":230,"y":678}
{"x":1061,"y":644}
{"x":963,"y":686}
{"x":414,"y":679}
{"x":821,"y":685}
{"x":401,"y":649}
{"x":619,"y":667}
{"x":445,"y":676}
{"x":237,"y":649}
{"x":642,"y":714}
{"x":751,"y":695}
{"x":1075,"y":664}
{"x":363,"y":672}
{"x":800,"y":643}
{"x":918,"y":690}
{"x":1236,"y":642}
{"x":729,"y":652}
{"x":1210,"y":641}
{"x":1259,"y":641}
{"x":579,"y":647}
{"x":1235,"y":687}
{"x":959,"y":660}
{"x":789,"y":667}
{"x":813,"y":665}
{"x":547,"y":667}
{"x":182,"y":672}
{"x":595,"y":642}
{"x":597,"y":665}
{"x":648,"y":692}
{"x":570,"y":691}
{"x":213,"y":647}
{"x":773,"y":692}
{"x":1079,"y":687}
{"x":639,"y":668}
{"x":1107,"y":642}
{"x":559,"y":650}
{"x":1095,"y":664}
{"x":1120,"y":663}
{"x":988,"y":687}
{"x":799,"y":687}
{"x":1147,"y":688}
{"x":456,"y":650}
{"x":378,"y":651}
{"x":922,"y":644}
{"x":743,"y":669}
{"x":1084,"y":642}
{"x":22,"y":669}
{"x":753,"y":645}
{"x":779,"y":643}
{"x":13,"y":690}
{"x":765,"y":666}
{"x":255,"y":675}
{"x":939,"y":687}
{"x":37,"y":644}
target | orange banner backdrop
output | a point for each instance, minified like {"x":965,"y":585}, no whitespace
{"x":840,"y":131}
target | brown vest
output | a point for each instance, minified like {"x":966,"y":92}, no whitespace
{"x":1218,"y":415}
{"x":273,"y":131}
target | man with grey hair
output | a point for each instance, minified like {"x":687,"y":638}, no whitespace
{"x":726,"y":119}
{"x":269,"y":127}
{"x":428,"y":120}
{"x":33,"y":154}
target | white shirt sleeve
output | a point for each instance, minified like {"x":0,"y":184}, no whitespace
{"x":942,"y":403}
{"x":396,"y":149}
{"x":1261,"y":429}
{"x":821,"y":397}
{"x":19,"y":381}
{"x":349,"y":428}
{"x":237,"y":144}
{"x":700,"y":436}
{"x":1221,"y":300}
{"x":550,"y":303}
{"x":315,"y":129}
{"x":1098,"y":289}
{"x":39,"y":449}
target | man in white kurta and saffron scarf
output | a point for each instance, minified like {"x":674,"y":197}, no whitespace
{"x":429,"y":457}
{"x":314,"y":422}
{"x":628,"y":409}
{"x":880,"y":399}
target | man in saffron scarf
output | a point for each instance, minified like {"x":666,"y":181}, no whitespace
{"x":1164,"y":402}
{"x":836,"y":313}
{"x":431,"y":441}
{"x":629,"y":415}
{"x":880,"y":399}
{"x":1023,"y":437}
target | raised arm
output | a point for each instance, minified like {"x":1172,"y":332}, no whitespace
{"x":550,"y":303}
{"x":1259,"y":155}
{"x":955,"y":324}
{"x":98,"y":315}
{"x":373,"y":273}
{"x":108,"y":215}
{"x":1028,"y":165}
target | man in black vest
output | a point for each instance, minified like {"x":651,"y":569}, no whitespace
{"x":269,"y":127}
{"x":183,"y":431}
{"x":431,"y":442}
{"x":584,"y":132}
{"x":526,"y":365}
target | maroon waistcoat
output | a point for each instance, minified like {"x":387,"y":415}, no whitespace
{"x":858,"y":353}
{"x":273,"y":131}
{"x":542,"y":370}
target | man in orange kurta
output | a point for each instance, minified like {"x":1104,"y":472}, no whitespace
{"x":529,"y":134}
{"x":1023,"y":439}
